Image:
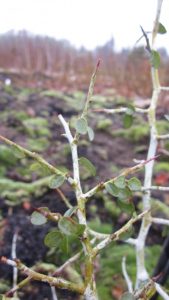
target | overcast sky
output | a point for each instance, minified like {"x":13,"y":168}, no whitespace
{"x":85,"y":22}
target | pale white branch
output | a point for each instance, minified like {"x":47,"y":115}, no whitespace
{"x":98,"y":235}
{"x":13,"y":255}
{"x":126,"y":276}
{"x":121,"y":110}
{"x":76,"y":173}
{"x":116,"y":235}
{"x":156,"y":187}
{"x":54,"y":295}
{"x":160,"y":221}
{"x":67,"y":263}
{"x":102,"y":236}
{"x":163,"y":151}
{"x":126,"y":172}
{"x":73,"y":147}
{"x":9,"y":262}
{"x":131,"y":241}
{"x":161,"y":291}
{"x":164,"y":88}
{"x":142,"y":274}
{"x":163,"y":137}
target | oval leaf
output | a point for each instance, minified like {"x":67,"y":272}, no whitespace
{"x":88,"y":165}
{"x":112,"y":189}
{"x":35,"y":167}
{"x":134,"y":184}
{"x":90,"y":133}
{"x":126,"y":207}
{"x":120,"y":182}
{"x":81,"y":126}
{"x":127,"y":120}
{"x":56,"y":181}
{"x":70,"y":227}
{"x":37,"y":218}
{"x":155,"y":59}
{"x":127,"y":296}
{"x":161,"y":29}
{"x":124,"y":194}
{"x":53,"y":238}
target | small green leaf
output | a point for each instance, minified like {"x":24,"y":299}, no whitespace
{"x":134,"y":184}
{"x":37,"y":218}
{"x":127,"y":296}
{"x":155,"y":59}
{"x":124,"y":194}
{"x":53,"y":238}
{"x":112,"y":189}
{"x":81,"y":126}
{"x":126,"y":207}
{"x":70,"y":211}
{"x":35,"y":167}
{"x":161,"y":29}
{"x":70,"y":227}
{"x":120,"y":182}
{"x":127,"y":120}
{"x":56,"y":181}
{"x":64,"y":244}
{"x":88,"y":165}
{"x":90,"y":133}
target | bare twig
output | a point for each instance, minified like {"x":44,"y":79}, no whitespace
{"x":53,"y":281}
{"x":163,"y":151}
{"x":126,"y":276}
{"x":163,"y":136}
{"x":120,"y":110}
{"x":53,"y":291}
{"x":142,"y":274}
{"x":116,"y":235}
{"x":90,"y":91}
{"x":64,"y":198}
{"x":102,"y":236}
{"x":164,"y":88}
{"x":21,"y":284}
{"x":67,"y":263}
{"x":13,"y":255}
{"x":126,"y":172}
{"x":161,"y":291}
{"x":156,"y":187}
{"x":160,"y":221}
{"x":147,"y":40}
{"x":145,"y":292}
{"x":36,"y":157}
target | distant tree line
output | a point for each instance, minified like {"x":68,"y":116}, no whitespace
{"x":55,"y":63}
